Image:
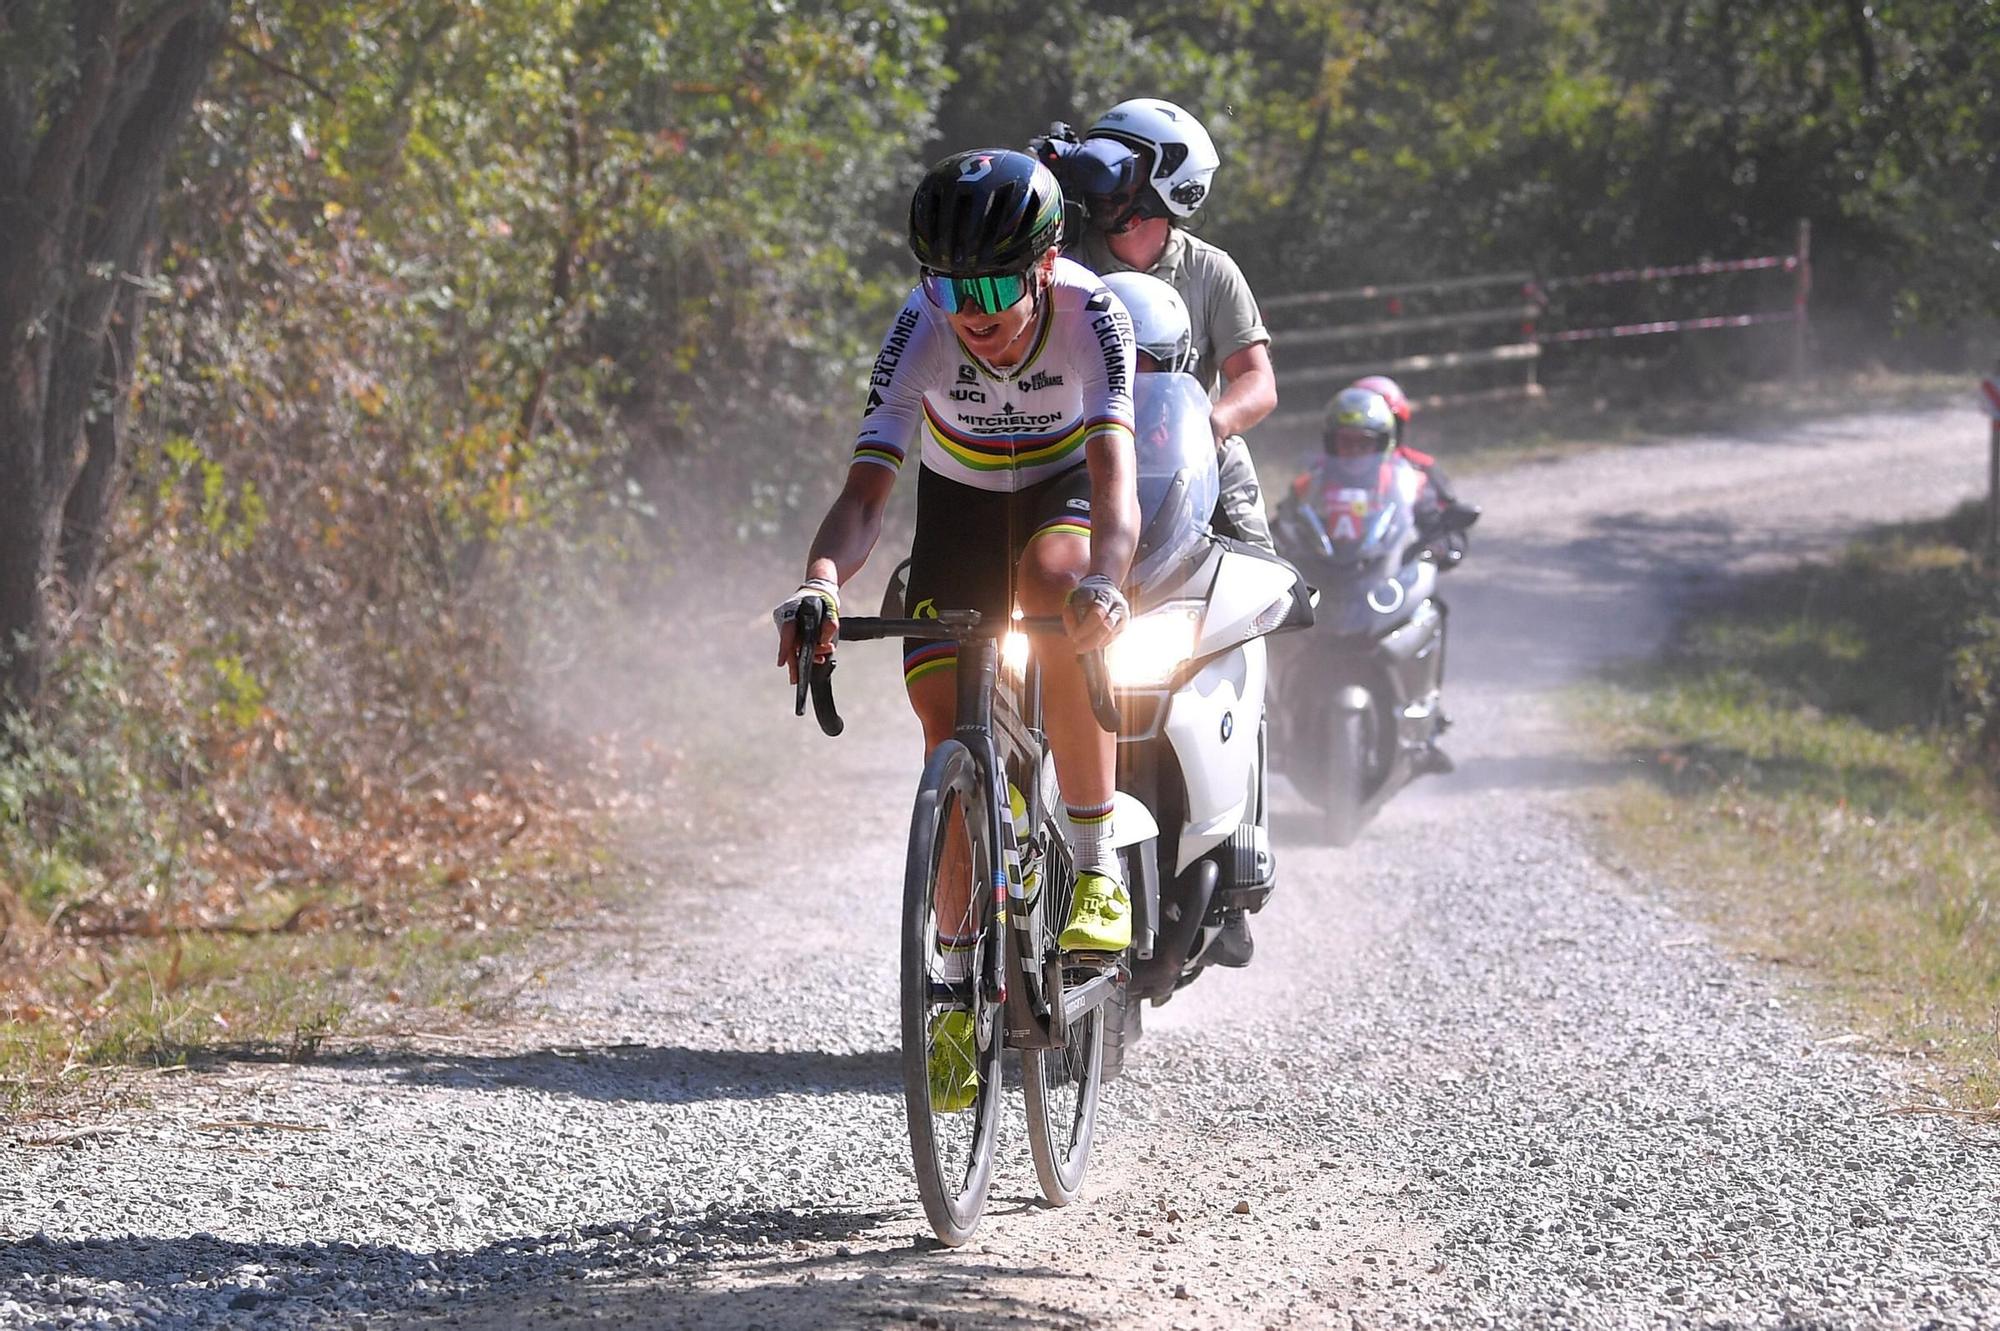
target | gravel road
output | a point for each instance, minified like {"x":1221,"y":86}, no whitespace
{"x":1474,"y":1078}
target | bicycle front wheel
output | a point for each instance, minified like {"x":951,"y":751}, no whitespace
{"x":952,"y":1032}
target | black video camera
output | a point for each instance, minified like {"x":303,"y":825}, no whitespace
{"x":1102,"y":179}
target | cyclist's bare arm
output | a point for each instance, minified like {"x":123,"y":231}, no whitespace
{"x":852,"y":525}
{"x":1114,"y":522}
{"x":846,"y":535}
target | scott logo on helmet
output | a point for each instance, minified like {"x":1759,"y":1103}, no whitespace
{"x":975,"y":168}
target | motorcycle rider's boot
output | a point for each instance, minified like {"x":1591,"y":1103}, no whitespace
{"x":1430,"y":760}
{"x":1233,"y":946}
{"x":954,"y":1071}
{"x":1100,"y":916}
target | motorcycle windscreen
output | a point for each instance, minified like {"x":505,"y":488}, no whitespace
{"x":1177,"y":472}
{"x":1364,"y":504}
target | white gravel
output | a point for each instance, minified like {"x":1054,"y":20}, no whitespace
{"x":1474,"y":1078}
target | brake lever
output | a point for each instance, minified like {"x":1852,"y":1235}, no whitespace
{"x":1097,"y":680}
{"x":815,"y":677}
{"x":806,"y":625}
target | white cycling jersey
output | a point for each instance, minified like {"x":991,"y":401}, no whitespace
{"x":1002,"y":429}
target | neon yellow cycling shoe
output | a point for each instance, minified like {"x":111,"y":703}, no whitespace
{"x":954,"y":1065}
{"x":1100,"y":918}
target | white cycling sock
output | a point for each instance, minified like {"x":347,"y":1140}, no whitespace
{"x":1090,"y":839}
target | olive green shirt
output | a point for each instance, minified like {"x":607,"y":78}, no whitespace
{"x":1220,"y":307}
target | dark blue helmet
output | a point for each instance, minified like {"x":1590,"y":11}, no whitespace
{"x":991,"y":210}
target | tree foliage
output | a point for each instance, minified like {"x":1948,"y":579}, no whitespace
{"x":444,"y":290}
{"x":1365,"y":141}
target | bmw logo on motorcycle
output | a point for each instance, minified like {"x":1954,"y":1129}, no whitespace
{"x":1228,"y":726}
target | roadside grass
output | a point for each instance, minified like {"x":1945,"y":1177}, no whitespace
{"x":1819,"y":786}
{"x":433,"y":924}
{"x":102,"y":1012}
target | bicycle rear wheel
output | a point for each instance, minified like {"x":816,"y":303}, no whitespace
{"x":1061,"y":1085}
{"x":951,"y":1146}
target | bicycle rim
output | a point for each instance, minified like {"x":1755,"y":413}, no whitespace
{"x":952,"y":1150}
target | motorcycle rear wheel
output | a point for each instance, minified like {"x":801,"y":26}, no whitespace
{"x":952,"y":1150}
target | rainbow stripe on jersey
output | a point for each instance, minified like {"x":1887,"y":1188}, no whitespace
{"x":1047,"y":453}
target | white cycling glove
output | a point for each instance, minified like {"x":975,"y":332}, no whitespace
{"x":824,"y":590}
{"x":1101,"y":592}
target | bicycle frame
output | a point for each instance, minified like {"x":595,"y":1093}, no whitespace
{"x":1038,"y":1010}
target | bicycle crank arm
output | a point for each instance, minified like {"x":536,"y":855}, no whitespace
{"x":1079,"y":1002}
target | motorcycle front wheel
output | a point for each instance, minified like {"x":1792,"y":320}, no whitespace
{"x":1348,"y":743}
{"x":949,"y":1017}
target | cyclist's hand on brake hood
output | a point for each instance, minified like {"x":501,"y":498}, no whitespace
{"x":786,"y":616}
{"x":1094,"y":612}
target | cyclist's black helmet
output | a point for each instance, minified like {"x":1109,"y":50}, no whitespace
{"x":991,"y":210}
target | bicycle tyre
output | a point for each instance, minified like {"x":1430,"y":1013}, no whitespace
{"x":1061,"y":1130}
{"x":953,"y":1194}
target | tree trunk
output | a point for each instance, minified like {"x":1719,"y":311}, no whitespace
{"x":82,"y":157}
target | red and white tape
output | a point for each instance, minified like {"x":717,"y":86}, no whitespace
{"x":1705,"y":267}
{"x":1672,"y":326}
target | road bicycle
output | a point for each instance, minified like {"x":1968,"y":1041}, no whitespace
{"x":986,"y":890}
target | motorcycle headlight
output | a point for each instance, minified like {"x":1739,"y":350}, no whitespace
{"x":1014,"y":652}
{"x":1154,"y":645}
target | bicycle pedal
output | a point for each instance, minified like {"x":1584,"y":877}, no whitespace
{"x":1094,"y":963}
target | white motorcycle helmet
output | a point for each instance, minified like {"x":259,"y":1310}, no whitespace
{"x":1179,"y":156}
{"x":1160,"y":323}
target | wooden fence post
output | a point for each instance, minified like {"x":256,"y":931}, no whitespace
{"x":1989,"y":398}
{"x":1801,"y":292}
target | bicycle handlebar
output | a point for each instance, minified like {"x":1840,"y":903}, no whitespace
{"x":816,"y":677}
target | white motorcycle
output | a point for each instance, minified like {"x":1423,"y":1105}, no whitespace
{"x":1189,"y":672}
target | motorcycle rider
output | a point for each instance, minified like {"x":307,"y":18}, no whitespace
{"x":1450,"y":548}
{"x":1364,"y":422}
{"x":1164,"y":330}
{"x":1136,"y":220}
{"x":1011,"y":368}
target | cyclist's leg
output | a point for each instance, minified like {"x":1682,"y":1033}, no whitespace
{"x":954,"y":524}
{"x":1085,"y":752}
{"x":1054,"y":560}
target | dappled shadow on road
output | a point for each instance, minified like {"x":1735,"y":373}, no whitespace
{"x":654,"y":1073}
{"x":772,"y":1268}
